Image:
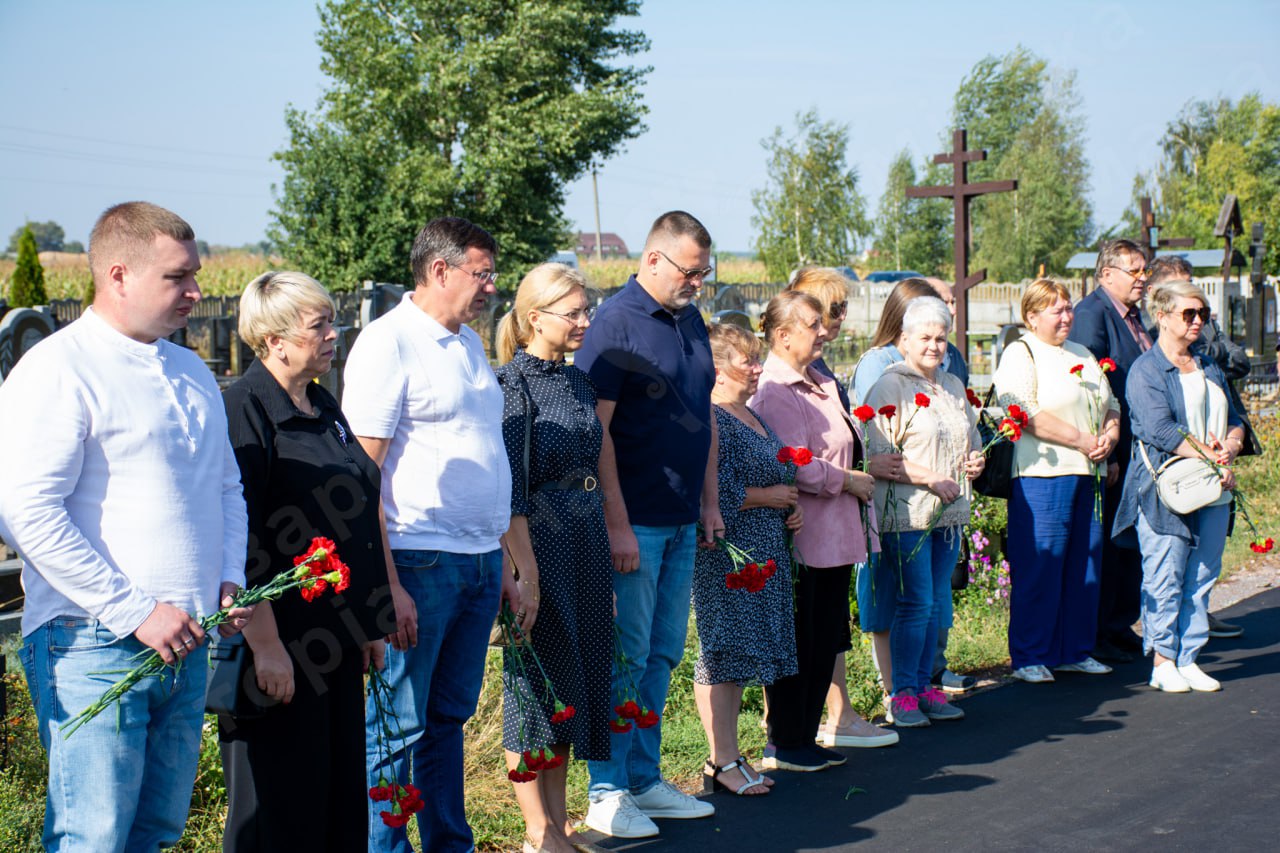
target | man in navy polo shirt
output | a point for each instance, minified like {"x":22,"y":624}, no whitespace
{"x":648,"y":354}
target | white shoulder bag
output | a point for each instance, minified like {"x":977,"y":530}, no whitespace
{"x":1184,"y":485}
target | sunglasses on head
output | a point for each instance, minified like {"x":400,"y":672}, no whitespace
{"x":1189,"y":314}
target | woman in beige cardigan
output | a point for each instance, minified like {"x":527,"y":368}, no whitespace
{"x":923,"y":512}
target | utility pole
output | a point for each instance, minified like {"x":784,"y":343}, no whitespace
{"x":595,"y":193}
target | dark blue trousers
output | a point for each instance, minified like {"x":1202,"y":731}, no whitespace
{"x":1055,"y":550}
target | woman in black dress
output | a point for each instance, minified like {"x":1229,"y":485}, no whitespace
{"x":558,"y":543}
{"x":744,"y":636}
{"x":304,"y":475}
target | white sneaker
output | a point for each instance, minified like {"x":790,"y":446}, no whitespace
{"x":616,"y":814}
{"x":1034,"y":674}
{"x":1167,"y":678}
{"x":666,"y":800}
{"x":1197,"y":680}
{"x":1089,"y":666}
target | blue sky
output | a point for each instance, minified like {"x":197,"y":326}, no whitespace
{"x":182,"y":103}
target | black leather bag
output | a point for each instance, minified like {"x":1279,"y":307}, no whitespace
{"x":996,"y":480}
{"x":233,"y":682}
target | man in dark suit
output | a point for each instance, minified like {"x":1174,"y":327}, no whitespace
{"x":1109,"y":324}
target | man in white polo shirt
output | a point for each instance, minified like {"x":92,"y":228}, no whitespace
{"x":121,"y":492}
{"x":426,"y":406}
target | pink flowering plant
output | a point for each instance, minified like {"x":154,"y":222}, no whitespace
{"x":989,"y":577}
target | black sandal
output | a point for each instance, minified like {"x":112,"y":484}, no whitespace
{"x":711,"y":778}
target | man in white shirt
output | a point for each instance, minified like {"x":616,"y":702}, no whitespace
{"x":426,"y":406}
{"x":120,"y":491}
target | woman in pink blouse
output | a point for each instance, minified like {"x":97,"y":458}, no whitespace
{"x":803,"y":407}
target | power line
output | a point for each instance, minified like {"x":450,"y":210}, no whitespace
{"x":117,"y":143}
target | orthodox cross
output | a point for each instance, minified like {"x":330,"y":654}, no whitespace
{"x":962,"y":192}
{"x":1151,"y":232}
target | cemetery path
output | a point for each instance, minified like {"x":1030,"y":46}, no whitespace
{"x":1086,"y":763}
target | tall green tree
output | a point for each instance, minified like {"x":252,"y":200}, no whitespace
{"x":911,"y":233}
{"x":1210,"y":149}
{"x":26,"y":287}
{"x":1027,"y":117}
{"x":49,"y":236}
{"x":810,"y":210}
{"x":485,"y":110}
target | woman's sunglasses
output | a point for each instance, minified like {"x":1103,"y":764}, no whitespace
{"x":1189,"y":314}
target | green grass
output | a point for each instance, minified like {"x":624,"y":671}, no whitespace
{"x":977,"y":644}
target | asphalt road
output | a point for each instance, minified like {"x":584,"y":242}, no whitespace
{"x":1086,"y":763}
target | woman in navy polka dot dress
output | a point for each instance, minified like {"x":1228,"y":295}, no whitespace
{"x":559,"y":544}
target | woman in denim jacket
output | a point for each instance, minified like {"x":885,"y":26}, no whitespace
{"x":1179,"y":407}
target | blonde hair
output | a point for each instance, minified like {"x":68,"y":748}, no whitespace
{"x":127,"y":233}
{"x":273,"y":304}
{"x":1164,"y":295}
{"x":780,"y":313}
{"x":826,"y":285}
{"x":726,"y":339}
{"x":1040,"y":294}
{"x":545,"y":284}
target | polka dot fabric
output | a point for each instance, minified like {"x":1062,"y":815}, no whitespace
{"x":573,"y":635}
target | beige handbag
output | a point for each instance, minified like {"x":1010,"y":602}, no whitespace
{"x":1184,"y":485}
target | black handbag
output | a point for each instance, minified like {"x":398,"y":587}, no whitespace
{"x":233,"y":682}
{"x":996,"y":480}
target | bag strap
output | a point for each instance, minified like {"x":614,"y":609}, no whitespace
{"x":992,"y":390}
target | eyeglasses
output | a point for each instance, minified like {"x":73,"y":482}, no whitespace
{"x":1141,"y":272}
{"x":838,"y":309}
{"x":689,"y":275}
{"x":483,"y":278}
{"x":1189,"y":314}
{"x":577,"y":318}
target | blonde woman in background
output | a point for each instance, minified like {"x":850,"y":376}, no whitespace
{"x":559,"y":544}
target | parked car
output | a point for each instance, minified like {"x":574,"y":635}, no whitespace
{"x":890,"y":276}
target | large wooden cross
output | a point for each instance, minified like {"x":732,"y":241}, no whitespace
{"x":963,"y":192}
{"x":1151,"y":232}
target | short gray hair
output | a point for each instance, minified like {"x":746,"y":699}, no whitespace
{"x":1166,"y":294}
{"x":925,"y":311}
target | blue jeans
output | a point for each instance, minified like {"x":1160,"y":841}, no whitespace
{"x":123,"y":781}
{"x":653,"y":621}
{"x":436,"y":686}
{"x":1177,"y":577}
{"x":923,"y":585}
{"x":1055,"y":555}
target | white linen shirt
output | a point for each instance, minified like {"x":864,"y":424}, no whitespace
{"x":118,"y":487}
{"x":446,"y":481}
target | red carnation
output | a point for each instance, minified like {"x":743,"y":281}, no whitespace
{"x":1107,"y":365}
{"x":1262,"y":546}
{"x":619,"y":726}
{"x":395,"y":821}
{"x":628,"y":710}
{"x":1077,"y":370}
{"x":784,"y":455}
{"x":381,"y":793}
{"x":974,"y":399}
{"x":733,"y":580}
{"x":888,"y":411}
{"x":647,"y":720}
{"x":563,"y":713}
{"x":313,"y":588}
{"x":342,"y":569}
{"x":1016,"y":413}
{"x":922,"y":400}
{"x":801,"y":455}
{"x":1011,"y":429}
{"x":769,"y":569}
{"x":864,"y":413}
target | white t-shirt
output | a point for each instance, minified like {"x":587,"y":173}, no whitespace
{"x":119,"y":486}
{"x":446,"y":481}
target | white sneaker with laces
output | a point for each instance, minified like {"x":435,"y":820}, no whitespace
{"x":1197,"y":679}
{"x":666,"y":800}
{"x":1034,"y":674}
{"x":1089,"y":666}
{"x":616,"y":814}
{"x":1166,"y":677}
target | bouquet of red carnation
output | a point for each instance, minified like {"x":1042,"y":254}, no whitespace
{"x":1106,"y":365}
{"x":629,"y":710}
{"x":313,"y":572}
{"x":517,"y":652}
{"x":406,"y":800}
{"x":889,"y":513}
